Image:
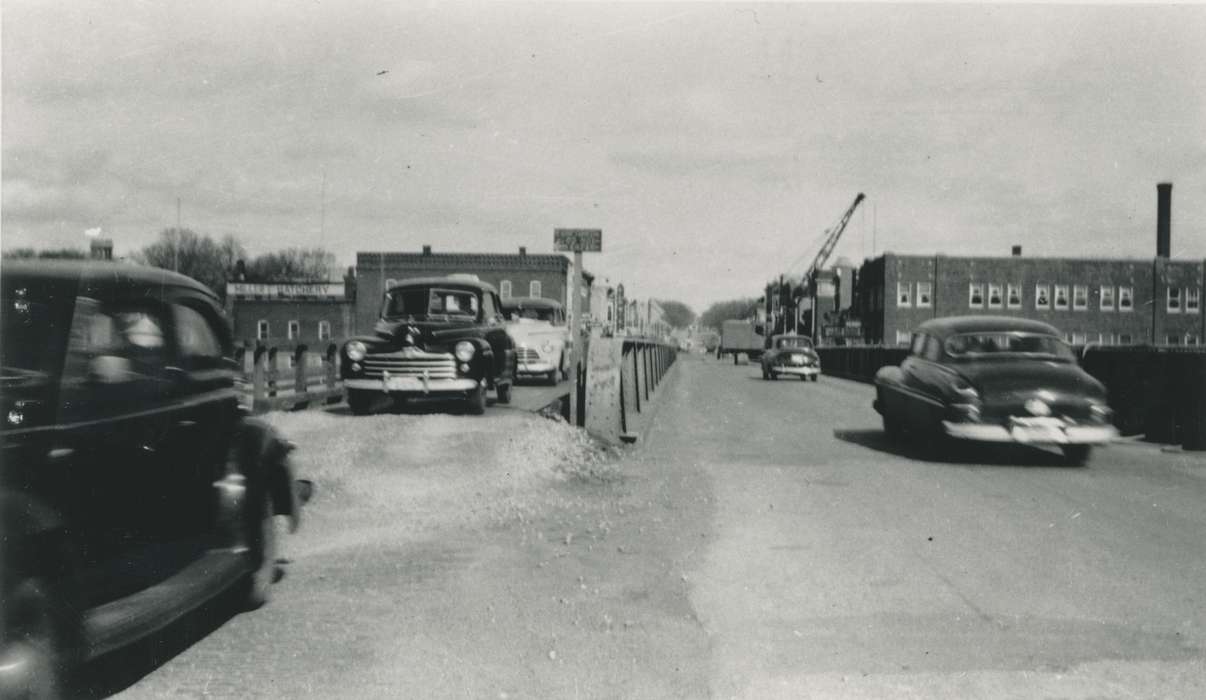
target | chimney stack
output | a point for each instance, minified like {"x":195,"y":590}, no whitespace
{"x":1017,"y":251}
{"x":1164,"y":220}
{"x":523,"y":250}
{"x":101,"y":249}
{"x":426,"y":250}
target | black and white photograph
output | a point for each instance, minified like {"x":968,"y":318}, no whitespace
{"x":614,"y":349}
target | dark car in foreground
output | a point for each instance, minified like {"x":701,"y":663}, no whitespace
{"x":791,"y":355}
{"x":438,"y":337}
{"x":995,"y":379}
{"x":133,"y":488}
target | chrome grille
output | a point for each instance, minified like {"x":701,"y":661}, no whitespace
{"x":411,"y":363}
{"x":527,"y":355}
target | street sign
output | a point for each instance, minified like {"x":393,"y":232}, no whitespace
{"x":578,"y":240}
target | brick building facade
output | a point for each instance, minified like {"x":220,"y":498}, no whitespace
{"x":281,"y":314}
{"x":514,"y":275}
{"x":1113,"y":302}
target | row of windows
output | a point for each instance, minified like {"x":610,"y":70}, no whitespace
{"x":1046,"y":297}
{"x":905,"y":338}
{"x":504,"y":288}
{"x":293,"y":330}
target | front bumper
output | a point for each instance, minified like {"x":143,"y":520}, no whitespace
{"x":413,"y":385}
{"x":538,"y":367}
{"x":796,"y":370}
{"x":1053,"y":433}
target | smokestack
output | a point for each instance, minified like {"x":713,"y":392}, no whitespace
{"x":523,"y":250}
{"x":426,"y":250}
{"x":1164,"y":220}
{"x":1017,"y":251}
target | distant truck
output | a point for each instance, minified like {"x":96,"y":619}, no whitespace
{"x":737,"y":337}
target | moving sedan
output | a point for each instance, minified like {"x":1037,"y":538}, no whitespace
{"x":995,"y":379}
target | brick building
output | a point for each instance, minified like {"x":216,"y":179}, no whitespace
{"x":514,"y":275}
{"x":280,"y":314}
{"x":1113,"y":302}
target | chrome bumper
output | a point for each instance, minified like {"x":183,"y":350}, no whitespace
{"x":541,"y":367}
{"x":1044,"y":435}
{"x":794,"y":370}
{"x":413,"y":385}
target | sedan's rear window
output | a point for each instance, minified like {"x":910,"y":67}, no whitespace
{"x":1003,"y":343}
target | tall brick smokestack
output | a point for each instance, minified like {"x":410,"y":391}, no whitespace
{"x":1164,"y":220}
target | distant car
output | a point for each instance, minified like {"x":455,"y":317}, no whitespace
{"x":791,"y":355}
{"x":542,"y":338}
{"x":133,"y":488}
{"x":438,"y":337}
{"x":995,"y":379}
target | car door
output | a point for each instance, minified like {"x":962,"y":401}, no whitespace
{"x":924,"y":378}
{"x":496,"y":335}
{"x":203,"y":414}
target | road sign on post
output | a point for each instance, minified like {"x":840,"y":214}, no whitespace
{"x":578,"y":241}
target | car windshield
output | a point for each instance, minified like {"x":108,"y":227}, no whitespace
{"x":547,"y":314}
{"x":981,"y":345}
{"x":795,"y":343}
{"x":430,"y":302}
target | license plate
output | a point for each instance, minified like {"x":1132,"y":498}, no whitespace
{"x":1038,"y":433}
{"x":404,"y":384}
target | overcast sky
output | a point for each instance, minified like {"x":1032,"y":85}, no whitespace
{"x":712,"y":143}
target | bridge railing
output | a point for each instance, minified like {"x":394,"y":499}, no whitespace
{"x":1156,"y":391}
{"x":617,"y":385}
{"x":289,"y":375}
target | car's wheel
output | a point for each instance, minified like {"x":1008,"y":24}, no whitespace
{"x":504,"y":392}
{"x":41,"y":651}
{"x":477,"y":400}
{"x":735,"y":358}
{"x":1076,"y":455}
{"x":261,"y":538}
{"x":361,"y":402}
{"x":816,"y":377}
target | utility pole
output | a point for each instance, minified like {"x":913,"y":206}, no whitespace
{"x":176,"y":240}
{"x":322,"y":221}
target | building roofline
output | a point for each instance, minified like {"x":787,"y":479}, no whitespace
{"x":1066,"y":258}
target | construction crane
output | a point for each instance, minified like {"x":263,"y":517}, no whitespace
{"x":831,"y":241}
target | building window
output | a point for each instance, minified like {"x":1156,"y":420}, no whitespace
{"x":1172,"y":340}
{"x":1079,"y":338}
{"x":1080,"y":297}
{"x":294,"y":330}
{"x":261,"y":330}
{"x":1105,"y":338}
{"x":1192,"y":339}
{"x":994,"y":296}
{"x":903,"y":337}
{"x":504,"y":289}
{"x":1193,"y":300}
{"x":1042,"y":300}
{"x":1107,"y":298}
{"x":1126,"y":299}
{"x":925,"y":295}
{"x":534,"y":288}
{"x":975,"y":296}
{"x":1174,"y":300}
{"x":1124,"y":338}
{"x":902,"y":294}
{"x":1061,"y":296}
{"x":1013,"y":297}
{"x":324,"y":330}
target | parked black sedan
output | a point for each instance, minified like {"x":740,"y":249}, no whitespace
{"x":133,"y":489}
{"x":995,"y":379}
{"x":438,"y":337}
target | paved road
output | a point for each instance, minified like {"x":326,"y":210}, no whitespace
{"x":764,"y":540}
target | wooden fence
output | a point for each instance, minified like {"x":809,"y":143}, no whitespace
{"x":289,"y":376}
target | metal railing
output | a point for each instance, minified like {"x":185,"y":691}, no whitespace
{"x":290,"y":375}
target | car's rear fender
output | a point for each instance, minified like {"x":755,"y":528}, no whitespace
{"x":261,"y":455}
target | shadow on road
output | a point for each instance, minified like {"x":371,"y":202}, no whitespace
{"x":956,"y":453}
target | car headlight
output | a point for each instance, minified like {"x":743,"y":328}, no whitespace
{"x":354,"y":350}
{"x":967,"y":391}
{"x":547,"y":347}
{"x":464,"y":351}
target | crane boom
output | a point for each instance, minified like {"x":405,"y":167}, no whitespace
{"x":832,"y":240}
